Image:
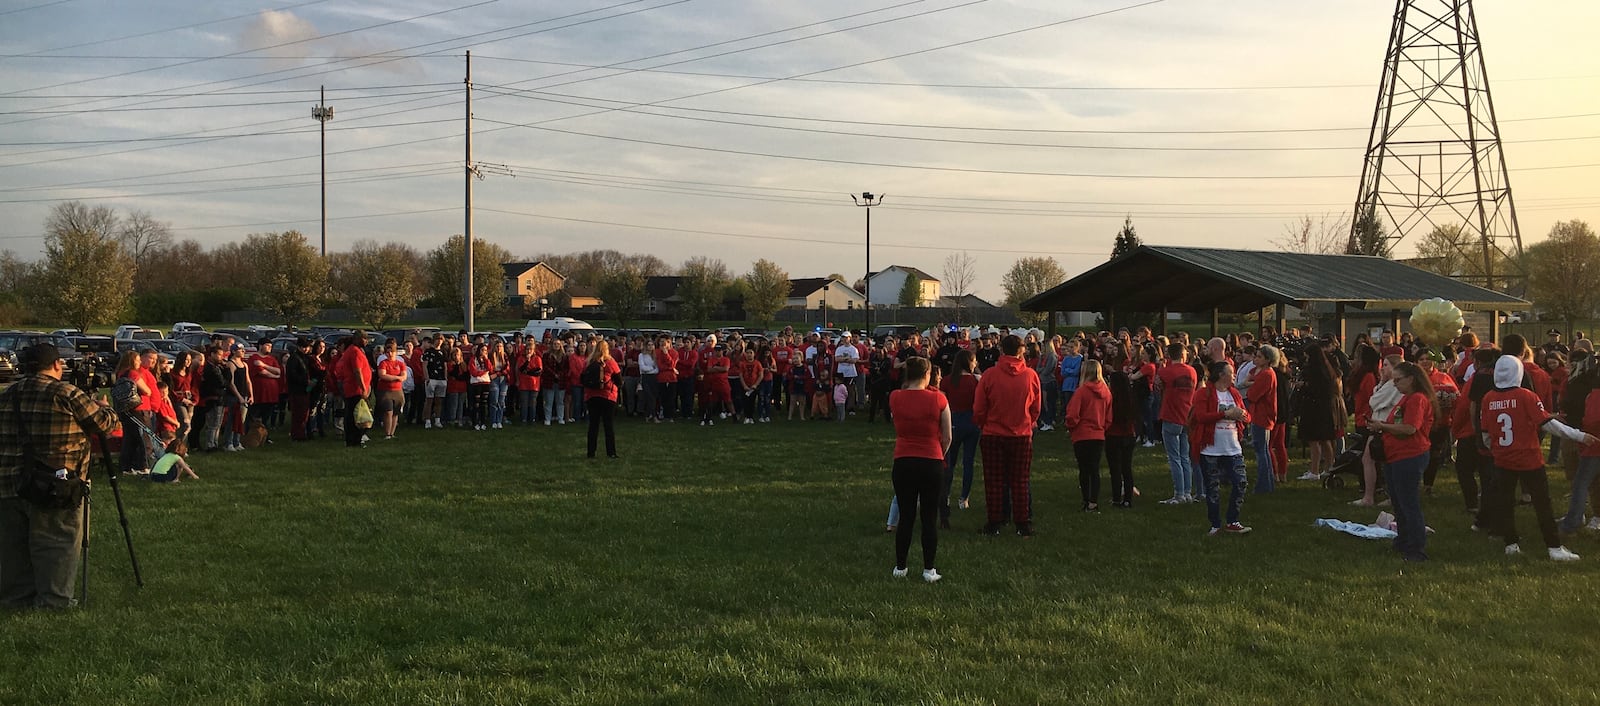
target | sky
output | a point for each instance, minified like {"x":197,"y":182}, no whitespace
{"x":738,"y":129}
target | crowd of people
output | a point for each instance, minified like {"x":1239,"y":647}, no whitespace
{"x":956,"y":398}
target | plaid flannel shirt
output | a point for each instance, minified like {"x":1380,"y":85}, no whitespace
{"x":58,"y":418}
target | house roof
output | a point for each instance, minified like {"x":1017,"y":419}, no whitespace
{"x":908,"y":270}
{"x":965,"y":300}
{"x":1156,"y":278}
{"x":581,"y":290}
{"x":805,"y":287}
{"x":518,"y":269}
{"x":662,"y":288}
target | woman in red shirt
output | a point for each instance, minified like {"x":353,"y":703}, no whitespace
{"x":667,"y":379}
{"x":1262,"y":401}
{"x":1088,"y":415}
{"x":479,"y":382}
{"x":455,"y":387}
{"x":750,"y":374}
{"x":922,"y":436}
{"x":530,"y":367}
{"x":387,"y":388}
{"x":1122,"y":435}
{"x":554,"y":383}
{"x":1588,"y":464}
{"x":1406,"y":446}
{"x":602,"y":401}
{"x":959,"y":389}
{"x":575,"y":365}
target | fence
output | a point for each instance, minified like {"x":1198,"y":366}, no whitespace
{"x":897,"y":315}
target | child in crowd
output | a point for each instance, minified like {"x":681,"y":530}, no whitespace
{"x":841,"y":399}
{"x":821,"y":401}
{"x":799,"y":390}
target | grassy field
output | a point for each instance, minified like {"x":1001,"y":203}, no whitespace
{"x":748,"y":564}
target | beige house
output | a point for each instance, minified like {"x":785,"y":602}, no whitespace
{"x":525,"y":283}
{"x":885,"y":286}
{"x":811,"y":292}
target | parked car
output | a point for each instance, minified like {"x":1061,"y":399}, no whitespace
{"x":199,"y":341}
{"x":900,"y":331}
{"x":66,"y":332}
{"x":139,"y":333}
{"x":420,"y":332}
{"x":165,"y":347}
{"x":557,"y":326}
{"x":183,"y":327}
{"x":13,"y":342}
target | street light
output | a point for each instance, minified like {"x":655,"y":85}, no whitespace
{"x":323,"y":113}
{"x":825,"y":304}
{"x":867,"y":200}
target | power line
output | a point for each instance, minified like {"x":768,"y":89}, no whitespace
{"x":256,"y":49}
{"x":211,"y":106}
{"x":436,"y":171}
{"x":35,"y":7}
{"x":159,"y":31}
{"x":219,"y":92}
{"x":1005,"y":87}
{"x":273,"y":133}
{"x":214,"y":180}
{"x":628,"y":107}
{"x":268,"y":223}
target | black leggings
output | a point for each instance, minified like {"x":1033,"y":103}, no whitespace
{"x":479,"y":392}
{"x":1119,"y":456}
{"x":916,"y":487}
{"x":1535,"y":484}
{"x":602,"y":412}
{"x":1088,"y":453}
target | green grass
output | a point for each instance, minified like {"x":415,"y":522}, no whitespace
{"x":749,"y":565}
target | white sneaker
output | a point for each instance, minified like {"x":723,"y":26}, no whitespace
{"x":230,"y":448}
{"x":1308,"y":475}
{"x":722,"y":415}
{"x":932,"y":575}
{"x":499,"y":426}
{"x":547,"y":422}
{"x":900,"y":573}
{"x":1174,"y":500}
{"x":1513,"y":549}
{"x":749,"y":421}
{"x":1149,"y":444}
{"x":427,"y":424}
{"x":1594,"y":524}
{"x":563,"y":421}
{"x":365,"y":438}
{"x":704,"y":422}
{"x":1562,"y":554}
{"x":1046,"y":427}
{"x":438,"y":424}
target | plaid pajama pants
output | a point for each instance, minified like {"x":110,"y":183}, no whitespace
{"x":1007,"y":462}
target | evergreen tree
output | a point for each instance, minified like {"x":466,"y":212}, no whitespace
{"x":1127,"y":239}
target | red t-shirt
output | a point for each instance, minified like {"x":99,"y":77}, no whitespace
{"x":916,"y":423}
{"x":1540,"y":379}
{"x":1416,"y":410}
{"x":391,"y":366}
{"x":607,"y":388}
{"x":147,"y":400}
{"x":575,"y":366}
{"x":959,"y":390}
{"x":1178,"y":381}
{"x":263,"y":388}
{"x":750,"y":373}
{"x":1512,"y":419}
{"x":782,"y":354}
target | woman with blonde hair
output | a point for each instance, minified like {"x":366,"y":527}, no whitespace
{"x":1088,"y":416}
{"x":601,"y":401}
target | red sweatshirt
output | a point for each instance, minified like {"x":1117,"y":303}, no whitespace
{"x":1089,"y":412}
{"x":1263,"y":398}
{"x":1207,"y":414}
{"x":355,"y":373}
{"x":1008,"y":399}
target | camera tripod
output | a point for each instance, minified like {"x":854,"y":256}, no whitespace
{"x":122,"y":518}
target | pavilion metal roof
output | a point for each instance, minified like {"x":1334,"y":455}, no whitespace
{"x":1183,"y":279}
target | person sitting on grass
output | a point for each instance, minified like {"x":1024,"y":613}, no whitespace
{"x":170,"y":467}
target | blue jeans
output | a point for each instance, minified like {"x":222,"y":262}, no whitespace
{"x":1047,"y":411}
{"x":1404,"y":481}
{"x":1175,"y":438}
{"x":576,"y":394}
{"x":1233,"y":466}
{"x":529,"y":402}
{"x":1261,"y":440}
{"x":1588,"y":468}
{"x":764,"y":399}
{"x":497,"y":400}
{"x":455,"y":407}
{"x":964,"y":443}
{"x":555,"y":404}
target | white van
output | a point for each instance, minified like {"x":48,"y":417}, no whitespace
{"x":183,"y":327}
{"x":536,"y":328}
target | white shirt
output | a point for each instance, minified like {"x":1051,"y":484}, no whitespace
{"x":845,"y":357}
{"x":647,"y":363}
{"x":1241,"y":378}
{"x":1226,"y":441}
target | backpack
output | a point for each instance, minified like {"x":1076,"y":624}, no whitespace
{"x":591,"y":376}
{"x":125,"y":395}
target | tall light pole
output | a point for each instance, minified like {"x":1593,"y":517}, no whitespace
{"x":867,"y":200}
{"x":825,"y":304}
{"x":323,"y":113}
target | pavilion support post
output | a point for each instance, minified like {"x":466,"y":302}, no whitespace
{"x":1338,"y":322}
{"x":1494,"y":328}
{"x":1050,"y":328}
{"x":1216,"y":323}
{"x":1163,"y":321}
{"x":1394,"y":323}
{"x":1282,"y":322}
{"x":1111,"y":320}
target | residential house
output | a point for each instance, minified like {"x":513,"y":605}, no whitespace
{"x":885,"y":286}
{"x":811,"y":292}
{"x":582,"y":298}
{"x":661,"y":296}
{"x":525,"y":283}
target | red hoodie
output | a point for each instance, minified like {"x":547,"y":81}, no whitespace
{"x":1207,"y":413}
{"x":1089,"y":412}
{"x":1008,"y":399}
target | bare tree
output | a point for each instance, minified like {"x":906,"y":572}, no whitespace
{"x":142,"y":235}
{"x":1326,"y":234}
{"x":78,"y":217}
{"x":1439,"y":250}
{"x":960,"y":274}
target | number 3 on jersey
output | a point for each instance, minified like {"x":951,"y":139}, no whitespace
{"x":1505,"y":430}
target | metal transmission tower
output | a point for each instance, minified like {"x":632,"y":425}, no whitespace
{"x":1434,"y":156}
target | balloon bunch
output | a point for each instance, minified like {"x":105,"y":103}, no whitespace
{"x":1436,"y":321}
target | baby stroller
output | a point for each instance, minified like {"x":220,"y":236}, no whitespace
{"x":1348,"y":463}
{"x":154,"y":447}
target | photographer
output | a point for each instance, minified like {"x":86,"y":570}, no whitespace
{"x":44,"y":426}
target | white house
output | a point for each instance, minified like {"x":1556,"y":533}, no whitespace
{"x":885,"y":286}
{"x":809,"y":293}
